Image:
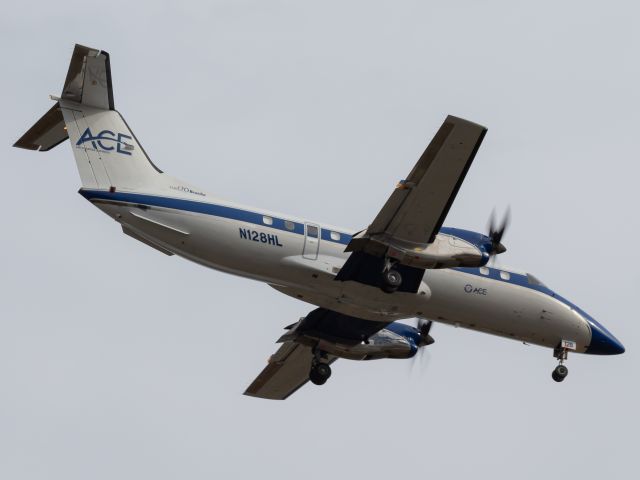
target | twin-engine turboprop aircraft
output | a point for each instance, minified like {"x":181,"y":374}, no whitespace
{"x":405,"y":264}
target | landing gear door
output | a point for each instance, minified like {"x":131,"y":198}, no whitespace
{"x":311,"y":241}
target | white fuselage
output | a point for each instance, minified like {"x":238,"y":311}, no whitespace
{"x":281,"y":251}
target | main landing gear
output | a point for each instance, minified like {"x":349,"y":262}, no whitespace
{"x":320,"y":370}
{"x":561,"y":371}
{"x":320,"y":373}
{"x":391,"y":278}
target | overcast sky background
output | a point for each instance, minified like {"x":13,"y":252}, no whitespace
{"x":117,"y":362}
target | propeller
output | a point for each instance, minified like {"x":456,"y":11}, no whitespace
{"x":424,"y":327}
{"x":497,"y":232}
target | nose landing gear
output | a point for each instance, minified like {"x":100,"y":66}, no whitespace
{"x":561,"y":353}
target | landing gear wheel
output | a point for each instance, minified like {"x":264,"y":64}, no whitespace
{"x":320,"y":373}
{"x":391,"y":281}
{"x":316,"y":379}
{"x":324,"y":370}
{"x":560,"y":373}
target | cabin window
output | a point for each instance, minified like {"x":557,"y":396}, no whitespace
{"x":335,"y":236}
{"x":267,"y":220}
{"x":505,"y":275}
{"x":289,"y":225}
{"x":312,"y":231}
{"x":484,"y":270}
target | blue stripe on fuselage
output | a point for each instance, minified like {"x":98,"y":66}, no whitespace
{"x":207,"y":209}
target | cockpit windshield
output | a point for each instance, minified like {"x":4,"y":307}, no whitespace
{"x":533,"y":280}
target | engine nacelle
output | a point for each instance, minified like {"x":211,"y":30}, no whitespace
{"x":446,"y":251}
{"x":387,"y":343}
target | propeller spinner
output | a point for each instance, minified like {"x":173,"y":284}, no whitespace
{"x":424,"y":326}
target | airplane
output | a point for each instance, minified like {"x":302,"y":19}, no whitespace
{"x":364,"y":284}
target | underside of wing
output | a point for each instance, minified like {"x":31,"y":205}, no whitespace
{"x":287,"y":371}
{"x":289,"y":368}
{"x":365,"y":268}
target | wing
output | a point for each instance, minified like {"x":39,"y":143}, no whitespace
{"x":288,"y":369}
{"x":414,"y":213}
{"x":416,"y":209}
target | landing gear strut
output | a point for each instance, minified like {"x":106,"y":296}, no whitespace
{"x":320,"y":370}
{"x":561,"y":371}
{"x":391,"y":278}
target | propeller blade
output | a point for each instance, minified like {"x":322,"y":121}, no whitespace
{"x":506,"y":220}
{"x":491,"y":224}
{"x":421,"y":358}
{"x":496,"y":233}
{"x":424,"y":327}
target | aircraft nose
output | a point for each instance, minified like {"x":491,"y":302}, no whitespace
{"x":602,"y":341}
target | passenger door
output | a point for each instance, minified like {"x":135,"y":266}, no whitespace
{"x":311,"y":241}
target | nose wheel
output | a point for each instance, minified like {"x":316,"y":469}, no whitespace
{"x":560,"y":373}
{"x":561,"y":353}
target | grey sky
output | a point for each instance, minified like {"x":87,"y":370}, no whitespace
{"x":119,"y":362}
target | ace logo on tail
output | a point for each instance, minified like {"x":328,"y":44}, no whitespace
{"x":106,"y":141}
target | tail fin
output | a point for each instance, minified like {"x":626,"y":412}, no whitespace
{"x":107,"y":153}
